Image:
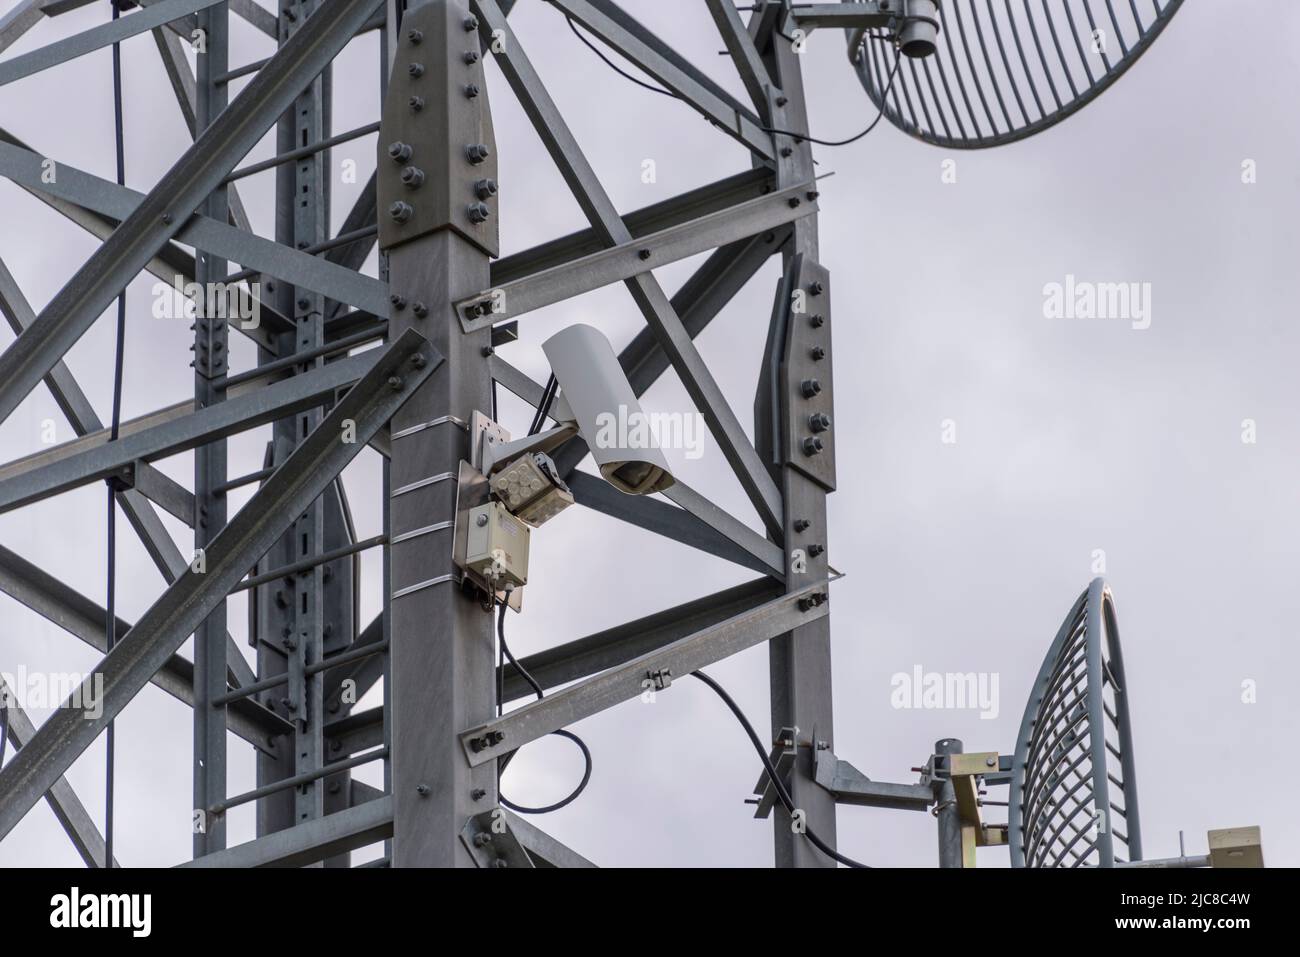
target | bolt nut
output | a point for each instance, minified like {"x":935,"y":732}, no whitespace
{"x":471,"y":24}
{"x":420,"y":310}
{"x":416,"y":103}
{"x":819,"y":422}
{"x":471,"y":90}
{"x":478,"y":213}
{"x":815,"y":549}
{"x":415,"y":70}
{"x":399,"y":152}
{"x":802,"y":524}
{"x":817,"y":353}
{"x":812,"y":445}
{"x":412,"y":177}
{"x":477,"y":794}
{"x":422,"y":790}
{"x":482,"y":839}
{"x":396,"y":383}
{"x":817,"y":320}
{"x":398,"y":302}
{"x":401,"y":212}
{"x":810,"y":388}
{"x":481,"y":521}
{"x":471,"y":56}
{"x":477,"y":153}
{"x":817,"y":288}
{"x":485,"y":188}
{"x":415,"y":36}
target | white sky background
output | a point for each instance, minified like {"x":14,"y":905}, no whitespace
{"x":1073,"y":435}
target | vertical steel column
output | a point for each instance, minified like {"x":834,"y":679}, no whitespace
{"x":799,"y":662}
{"x":307,"y":643}
{"x":210,"y":367}
{"x":289,"y":617}
{"x":950,"y":852}
{"x":441,"y":656}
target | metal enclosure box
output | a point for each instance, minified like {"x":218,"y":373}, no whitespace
{"x":1236,"y":847}
{"x":497,"y":547}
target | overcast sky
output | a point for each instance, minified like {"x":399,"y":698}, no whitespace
{"x":1072,"y":435}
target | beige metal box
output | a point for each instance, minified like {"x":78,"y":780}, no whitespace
{"x":497,"y":547}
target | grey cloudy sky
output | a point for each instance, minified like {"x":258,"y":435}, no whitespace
{"x":1073,"y":435}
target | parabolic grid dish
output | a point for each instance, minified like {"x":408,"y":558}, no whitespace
{"x":1007,"y":69}
{"x":1073,"y":800}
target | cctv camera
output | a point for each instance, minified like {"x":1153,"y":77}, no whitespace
{"x":595,"y":394}
{"x":597,"y":402}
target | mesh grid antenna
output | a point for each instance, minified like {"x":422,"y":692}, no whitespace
{"x":1004,"y":70}
{"x":1073,"y":799}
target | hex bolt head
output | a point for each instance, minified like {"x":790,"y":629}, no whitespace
{"x":419,"y":361}
{"x":815,"y":550}
{"x":817,"y":321}
{"x":810,"y":388}
{"x":415,"y":36}
{"x":422,"y":790}
{"x":399,"y":152}
{"x":478,"y":213}
{"x":471,"y":56}
{"x":412,"y":177}
{"x":415,"y":70}
{"x":396,"y":383}
{"x":471,"y":24}
{"x":817,"y":288}
{"x":420,"y":310}
{"x":817,"y":353}
{"x":398,"y":302}
{"x":801,"y":524}
{"x":477,"y":794}
{"x":482,"y":839}
{"x":644,"y":255}
{"x":819,"y":422}
{"x":812,"y":445}
{"x":471,"y":90}
{"x":481,"y":521}
{"x":401,"y":212}
{"x":477,"y":153}
{"x":782,"y":100}
{"x":485,"y":188}
{"x":794,"y":202}
{"x":787,"y":152}
{"x":416,"y":103}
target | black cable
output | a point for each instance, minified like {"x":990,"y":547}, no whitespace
{"x":110,"y":614}
{"x":801,"y":137}
{"x":777,"y":784}
{"x":615,"y":67}
{"x":4,"y":724}
{"x":852,"y":139}
{"x":505,"y":759}
{"x":544,"y":406}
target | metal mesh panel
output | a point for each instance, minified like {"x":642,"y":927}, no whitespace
{"x":1073,"y":799}
{"x":1006,"y":69}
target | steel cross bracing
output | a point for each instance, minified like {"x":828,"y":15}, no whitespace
{"x":431,"y":647}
